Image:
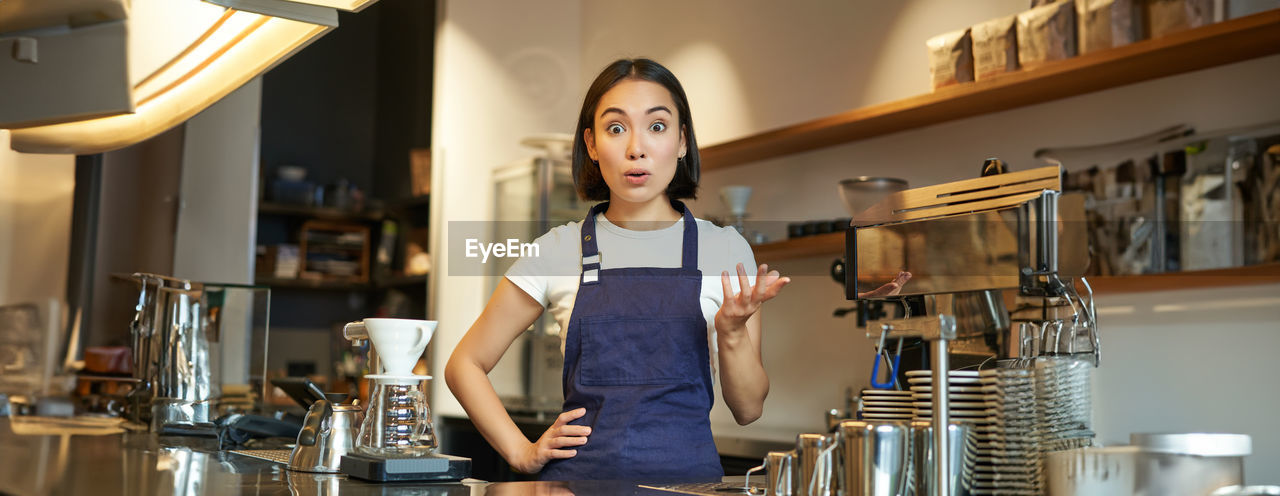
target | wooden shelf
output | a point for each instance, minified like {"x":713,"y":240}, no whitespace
{"x":808,"y":246}
{"x":318,"y":212}
{"x":298,"y":283}
{"x":411,"y":202}
{"x":1267,"y":273}
{"x":1236,"y":40}
{"x":832,"y":245}
{"x":401,"y":280}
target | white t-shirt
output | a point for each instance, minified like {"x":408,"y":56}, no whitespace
{"x":552,"y":277}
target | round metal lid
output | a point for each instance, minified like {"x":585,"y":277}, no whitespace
{"x":1196,"y":443}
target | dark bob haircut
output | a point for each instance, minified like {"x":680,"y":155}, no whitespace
{"x":586,"y":174}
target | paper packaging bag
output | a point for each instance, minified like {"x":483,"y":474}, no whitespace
{"x":1046,"y":34}
{"x":995,"y":47}
{"x":1103,"y":24}
{"x":1170,"y":16}
{"x":951,"y":58}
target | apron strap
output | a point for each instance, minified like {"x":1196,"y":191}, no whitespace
{"x":591,"y":251}
{"x":689,"y":249}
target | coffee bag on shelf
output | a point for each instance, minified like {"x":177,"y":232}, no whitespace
{"x":951,"y":58}
{"x":1103,"y":24}
{"x":1164,"y":17}
{"x":995,"y":47}
{"x":1046,"y":34}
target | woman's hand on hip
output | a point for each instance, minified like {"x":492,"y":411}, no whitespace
{"x":738,"y":307}
{"x":557,"y":442}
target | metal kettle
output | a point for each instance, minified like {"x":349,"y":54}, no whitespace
{"x":328,"y":432}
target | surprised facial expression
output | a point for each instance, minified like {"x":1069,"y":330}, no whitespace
{"x":637,"y":138}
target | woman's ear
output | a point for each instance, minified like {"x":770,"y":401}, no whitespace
{"x":589,"y":139}
{"x":683,"y":147}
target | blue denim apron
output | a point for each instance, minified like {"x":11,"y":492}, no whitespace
{"x":636,"y":358}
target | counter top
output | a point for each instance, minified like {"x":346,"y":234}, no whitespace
{"x":52,"y":459}
{"x":744,"y":447}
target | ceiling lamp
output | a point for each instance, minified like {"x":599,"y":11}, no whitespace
{"x":313,"y":11}
{"x":298,"y":11}
{"x":241,"y":45}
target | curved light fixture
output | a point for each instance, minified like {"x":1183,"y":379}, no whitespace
{"x":304,"y":12}
{"x":238,"y":47}
{"x":312,"y":11}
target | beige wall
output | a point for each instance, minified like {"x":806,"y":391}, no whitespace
{"x":753,"y":65}
{"x":35,"y":224}
{"x":218,"y":216}
{"x":504,"y":70}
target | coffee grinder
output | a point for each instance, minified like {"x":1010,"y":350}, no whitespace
{"x":397,"y":440}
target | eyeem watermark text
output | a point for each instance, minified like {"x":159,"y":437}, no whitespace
{"x":511,"y":248}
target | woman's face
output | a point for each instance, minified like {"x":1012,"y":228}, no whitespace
{"x":637,"y":139}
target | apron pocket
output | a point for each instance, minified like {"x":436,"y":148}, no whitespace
{"x":619,"y":351}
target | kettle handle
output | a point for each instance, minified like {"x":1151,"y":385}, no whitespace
{"x":312,"y":425}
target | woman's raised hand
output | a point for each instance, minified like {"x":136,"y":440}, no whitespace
{"x":738,"y":307}
{"x":553,"y":443}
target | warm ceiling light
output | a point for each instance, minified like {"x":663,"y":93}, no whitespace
{"x":229,"y":29}
{"x":313,"y":11}
{"x":303,"y":11}
{"x":347,"y":5}
{"x":237,"y":48}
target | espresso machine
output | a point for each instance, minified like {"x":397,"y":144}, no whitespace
{"x":973,"y":248}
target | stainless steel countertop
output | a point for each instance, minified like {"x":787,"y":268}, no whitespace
{"x":62,"y":463}
{"x":727,"y":446}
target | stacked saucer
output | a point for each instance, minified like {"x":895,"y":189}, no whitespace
{"x":1063,"y":393}
{"x":1001,"y":406}
{"x":886,"y":404}
{"x":1008,"y":449}
{"x":968,"y":400}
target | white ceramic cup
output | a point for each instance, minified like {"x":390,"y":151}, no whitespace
{"x":398,"y":342}
{"x":736,"y":198}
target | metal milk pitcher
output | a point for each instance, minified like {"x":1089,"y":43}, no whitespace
{"x":875,"y":457}
{"x":778,"y":473}
{"x":171,"y":336}
{"x":813,"y":468}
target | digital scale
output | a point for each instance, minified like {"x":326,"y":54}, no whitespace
{"x":429,"y":468}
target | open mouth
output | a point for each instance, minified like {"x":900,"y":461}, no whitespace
{"x":637,"y":176}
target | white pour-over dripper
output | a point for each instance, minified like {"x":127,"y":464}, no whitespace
{"x":398,"y":342}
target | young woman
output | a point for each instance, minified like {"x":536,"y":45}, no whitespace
{"x":643,"y":332}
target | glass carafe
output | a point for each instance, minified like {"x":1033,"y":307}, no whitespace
{"x":397,"y":422}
